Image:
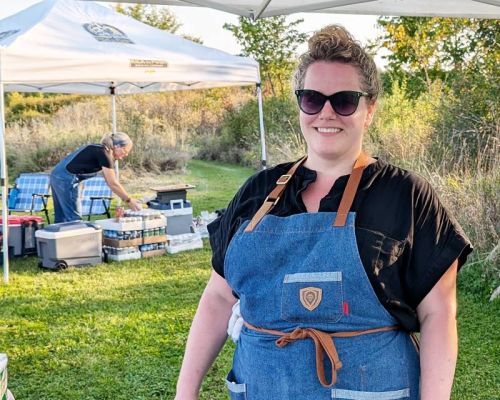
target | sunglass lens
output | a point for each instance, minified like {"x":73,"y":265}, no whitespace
{"x":311,"y":102}
{"x":345,"y":103}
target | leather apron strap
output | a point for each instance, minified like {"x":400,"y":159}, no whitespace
{"x":281,"y":184}
{"x":351,"y":189}
{"x":273,"y":197}
{"x":323,"y":344}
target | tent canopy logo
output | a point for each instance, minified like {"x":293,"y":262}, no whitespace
{"x":136,"y":63}
{"x":106,"y":33}
{"x":6,"y":34}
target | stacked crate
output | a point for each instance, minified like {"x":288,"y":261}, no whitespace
{"x":135,"y":235}
{"x":171,"y":201}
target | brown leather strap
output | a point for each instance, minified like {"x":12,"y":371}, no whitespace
{"x":416,"y":341}
{"x":323,"y":344}
{"x":350,"y":189}
{"x":345,"y":203}
{"x":273,"y":197}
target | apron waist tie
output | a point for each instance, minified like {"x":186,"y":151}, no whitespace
{"x":323,"y":343}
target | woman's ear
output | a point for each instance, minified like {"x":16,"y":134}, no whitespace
{"x":372,"y":107}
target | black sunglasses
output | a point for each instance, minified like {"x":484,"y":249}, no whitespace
{"x":343,"y":103}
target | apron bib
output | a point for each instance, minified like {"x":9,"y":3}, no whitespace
{"x":301,"y":276}
{"x":66,"y":190}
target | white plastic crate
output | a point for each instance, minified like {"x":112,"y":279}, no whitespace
{"x":110,"y":224}
{"x":124,"y":257}
{"x":184,"y":242}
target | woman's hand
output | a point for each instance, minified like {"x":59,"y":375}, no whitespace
{"x":134,"y":204}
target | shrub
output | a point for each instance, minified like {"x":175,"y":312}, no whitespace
{"x":239,"y":138}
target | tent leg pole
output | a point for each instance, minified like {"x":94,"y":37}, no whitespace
{"x":261,"y":127}
{"x":5,"y":223}
{"x":113,"y":130}
{"x":113,"y":125}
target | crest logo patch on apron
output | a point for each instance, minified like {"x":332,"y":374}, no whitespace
{"x":310,"y":297}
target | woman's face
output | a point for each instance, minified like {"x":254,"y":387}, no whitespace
{"x":330,"y":136}
{"x":120,"y":152}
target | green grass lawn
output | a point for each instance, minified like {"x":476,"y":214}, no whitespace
{"x":117,"y":331}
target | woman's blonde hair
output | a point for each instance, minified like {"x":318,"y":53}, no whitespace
{"x":335,"y":43}
{"x":120,"y":139}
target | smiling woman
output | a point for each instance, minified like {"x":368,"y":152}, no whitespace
{"x":335,"y":259}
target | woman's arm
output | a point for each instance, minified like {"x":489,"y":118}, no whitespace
{"x":118,"y":189}
{"x":438,"y":338}
{"x":206,"y":336}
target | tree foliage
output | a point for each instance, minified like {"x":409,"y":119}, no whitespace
{"x":161,"y":18}
{"x":156,"y":16}
{"x":462,"y":57}
{"x":272,"y":42}
{"x":424,"y":50}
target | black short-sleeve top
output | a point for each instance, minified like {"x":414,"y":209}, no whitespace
{"x":406,"y":237}
{"x":90,"y":159}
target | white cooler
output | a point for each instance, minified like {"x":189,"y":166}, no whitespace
{"x":179,"y":217}
{"x":69,"y":243}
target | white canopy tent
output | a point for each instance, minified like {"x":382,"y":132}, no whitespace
{"x":69,"y":46}
{"x":267,"y":8}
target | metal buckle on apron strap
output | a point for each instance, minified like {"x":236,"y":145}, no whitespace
{"x":283,"y":179}
{"x":323,"y":344}
{"x":272,"y":201}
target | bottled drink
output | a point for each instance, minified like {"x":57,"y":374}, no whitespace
{"x":119,"y":213}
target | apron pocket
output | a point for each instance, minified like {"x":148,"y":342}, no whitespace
{"x":312,"y":297}
{"x":237,"y":391}
{"x":343,"y":394}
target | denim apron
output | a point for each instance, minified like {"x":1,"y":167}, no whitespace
{"x":305,"y":296}
{"x":65,"y":189}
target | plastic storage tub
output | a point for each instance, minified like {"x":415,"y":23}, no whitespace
{"x":69,"y":243}
{"x":22,"y":233}
{"x":187,"y":241}
{"x":179,"y":215}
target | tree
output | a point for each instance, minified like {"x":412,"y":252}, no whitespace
{"x":161,"y":18}
{"x":158,"y":17}
{"x":427,"y":49}
{"x":272,"y":42}
{"x":462,"y":56}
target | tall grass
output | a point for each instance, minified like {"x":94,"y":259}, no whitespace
{"x":428,"y":135}
{"x":164,"y":127}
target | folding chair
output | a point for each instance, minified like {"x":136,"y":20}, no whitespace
{"x":31,"y":193}
{"x":95,"y":197}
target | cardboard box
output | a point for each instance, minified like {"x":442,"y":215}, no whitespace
{"x":153,"y":253}
{"x":121,"y":243}
{"x":154,"y":239}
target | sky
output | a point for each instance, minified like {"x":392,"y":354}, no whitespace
{"x":207,"y":24}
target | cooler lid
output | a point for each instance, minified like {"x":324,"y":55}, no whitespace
{"x":12,"y":220}
{"x":173,"y":205}
{"x":173,"y":188}
{"x":31,"y":218}
{"x":19,"y":219}
{"x":70,"y":226}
